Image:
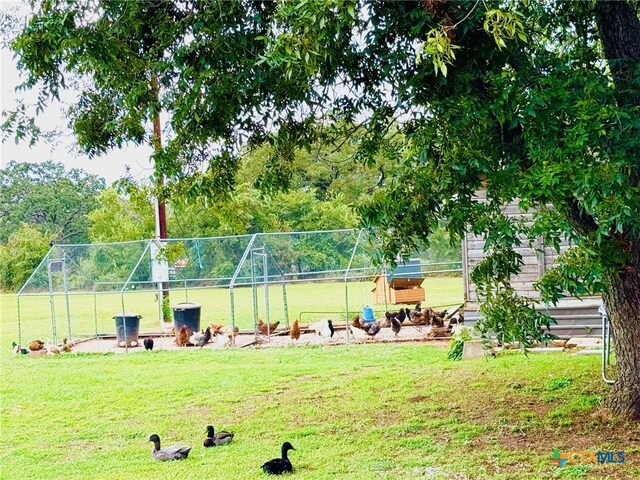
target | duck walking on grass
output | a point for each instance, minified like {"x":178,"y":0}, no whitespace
{"x":278,"y":466}
{"x":174,"y":452}
{"x":217,"y":439}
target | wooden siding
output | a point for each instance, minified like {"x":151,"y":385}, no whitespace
{"x":536,"y":258}
{"x":574,"y":317}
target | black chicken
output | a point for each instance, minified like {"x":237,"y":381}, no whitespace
{"x":396,"y":325}
{"x":148,"y":343}
{"x":207,"y":335}
{"x":372,"y":328}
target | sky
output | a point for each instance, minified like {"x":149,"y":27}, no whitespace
{"x":110,"y":166}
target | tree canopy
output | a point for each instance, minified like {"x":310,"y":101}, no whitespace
{"x":197,"y":62}
{"x":49,"y":196}
{"x":21,"y":254}
{"x":533,"y":100}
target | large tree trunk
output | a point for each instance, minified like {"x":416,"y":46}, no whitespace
{"x":623,"y":304}
{"x":619,"y":28}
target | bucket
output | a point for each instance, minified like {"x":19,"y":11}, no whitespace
{"x":367,"y":314}
{"x":187,"y":314}
{"x":130,"y":337}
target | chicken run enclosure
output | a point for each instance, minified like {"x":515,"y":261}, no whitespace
{"x":236,"y":280}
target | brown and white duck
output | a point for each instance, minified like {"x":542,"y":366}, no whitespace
{"x":217,"y":439}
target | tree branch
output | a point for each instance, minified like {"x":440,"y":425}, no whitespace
{"x":580,"y":221}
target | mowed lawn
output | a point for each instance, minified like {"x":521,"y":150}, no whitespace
{"x":306,"y":301}
{"x":384,"y":411}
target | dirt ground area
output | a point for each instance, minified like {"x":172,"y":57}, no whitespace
{"x":280,"y":338}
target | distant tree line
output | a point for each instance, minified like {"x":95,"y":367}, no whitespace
{"x":43,"y":203}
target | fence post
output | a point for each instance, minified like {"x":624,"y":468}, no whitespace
{"x":243,"y":259}
{"x":346,"y":285}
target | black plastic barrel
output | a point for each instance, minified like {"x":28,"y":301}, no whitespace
{"x":132,"y":321}
{"x":187,"y":314}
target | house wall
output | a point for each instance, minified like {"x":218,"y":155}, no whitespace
{"x":574,"y":316}
{"x":535,"y":262}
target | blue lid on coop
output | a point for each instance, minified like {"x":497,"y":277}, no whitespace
{"x":401,"y":284}
{"x":409,"y":269}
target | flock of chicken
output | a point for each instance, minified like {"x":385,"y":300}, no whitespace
{"x":362,"y":330}
{"x":359,"y":329}
{"x":38,"y":347}
{"x":420,"y":316}
{"x":275,"y":466}
{"x":222,"y":335}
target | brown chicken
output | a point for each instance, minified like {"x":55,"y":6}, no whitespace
{"x":231,"y":332}
{"x":66,"y":346}
{"x":437,"y":321}
{"x":294,"y":333}
{"x":36,"y":345}
{"x":264,"y":330}
{"x":182,"y":337}
{"x":357,"y":322}
{"x":420,"y":318}
{"x":216,"y":328}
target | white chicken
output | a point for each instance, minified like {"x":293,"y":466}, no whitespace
{"x":358,"y":333}
{"x":197,"y":338}
{"x":226,"y":336}
{"x":323,"y":327}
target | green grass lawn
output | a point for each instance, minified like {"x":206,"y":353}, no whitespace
{"x":392,"y":411}
{"x":304,"y":301}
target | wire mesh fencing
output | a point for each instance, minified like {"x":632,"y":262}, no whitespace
{"x":237,"y":281}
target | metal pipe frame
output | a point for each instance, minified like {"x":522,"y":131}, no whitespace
{"x":606,"y":344}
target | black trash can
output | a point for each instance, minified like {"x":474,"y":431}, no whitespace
{"x":133,"y":327}
{"x":187,"y":314}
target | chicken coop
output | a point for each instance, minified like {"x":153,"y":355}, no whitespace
{"x":402,"y":284}
{"x":239,"y":281}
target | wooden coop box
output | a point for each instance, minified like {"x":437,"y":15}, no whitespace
{"x":400,"y":285}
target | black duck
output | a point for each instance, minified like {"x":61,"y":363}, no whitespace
{"x":278,"y":466}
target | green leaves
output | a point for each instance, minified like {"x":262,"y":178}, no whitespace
{"x":577,"y":272}
{"x":439,"y":49}
{"x":457,"y":343}
{"x":21,"y":254}
{"x":510,"y":317}
{"x":504,"y":25}
{"x":47,"y":195}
